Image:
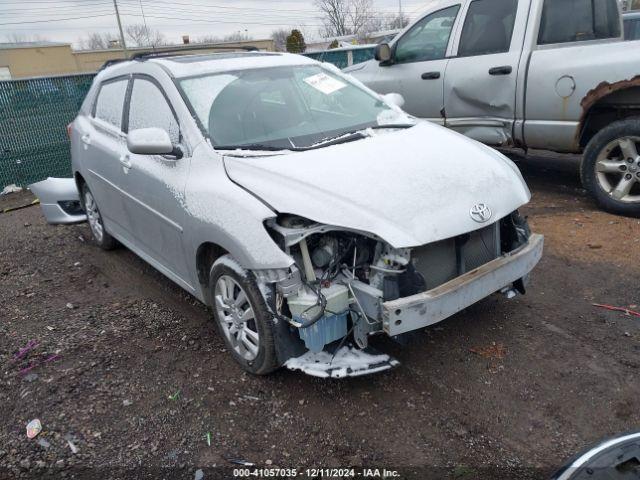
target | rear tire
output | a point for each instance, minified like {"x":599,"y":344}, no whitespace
{"x":242,"y":317}
{"x":610,"y":168}
{"x":94,"y":218}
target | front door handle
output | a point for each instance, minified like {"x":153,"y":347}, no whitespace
{"x":125,"y":161}
{"x":503,"y":70}
{"x":86,"y":139}
{"x":430,"y":76}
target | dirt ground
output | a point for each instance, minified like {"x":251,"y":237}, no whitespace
{"x":128,"y":368}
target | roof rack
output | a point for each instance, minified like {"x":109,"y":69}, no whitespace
{"x":113,"y":61}
{"x":166,"y":52}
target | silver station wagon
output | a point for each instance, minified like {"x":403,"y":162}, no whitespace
{"x":307,"y":211}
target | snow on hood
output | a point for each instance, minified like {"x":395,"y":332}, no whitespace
{"x":409,"y":187}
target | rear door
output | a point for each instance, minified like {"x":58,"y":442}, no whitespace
{"x":419,"y":62}
{"x":480,"y":81}
{"x":155,"y":183}
{"x":103,"y":145}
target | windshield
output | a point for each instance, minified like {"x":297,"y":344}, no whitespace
{"x":283,"y":107}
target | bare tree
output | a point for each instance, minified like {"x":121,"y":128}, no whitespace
{"x":360,"y":15}
{"x":99,"y":41}
{"x":335,"y":17}
{"x":139,"y":35}
{"x":279,"y":37}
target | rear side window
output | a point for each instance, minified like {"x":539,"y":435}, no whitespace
{"x":110,"y":102}
{"x":488,"y":27}
{"x":632,"y":29}
{"x":578,"y":20}
{"x":149,"y":109}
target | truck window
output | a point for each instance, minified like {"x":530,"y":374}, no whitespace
{"x":488,"y":27}
{"x":427,"y":39}
{"x":578,"y":20}
{"x":632,"y":29}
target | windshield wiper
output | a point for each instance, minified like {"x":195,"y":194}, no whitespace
{"x":393,"y":125}
{"x":251,"y":146}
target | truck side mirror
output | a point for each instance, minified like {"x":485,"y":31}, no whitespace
{"x":383,"y":52}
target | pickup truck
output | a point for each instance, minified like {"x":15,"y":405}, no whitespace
{"x":545,"y":74}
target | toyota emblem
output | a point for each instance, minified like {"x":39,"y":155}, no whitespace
{"x":480,"y":212}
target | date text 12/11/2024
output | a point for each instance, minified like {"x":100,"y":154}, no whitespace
{"x":314,"y":473}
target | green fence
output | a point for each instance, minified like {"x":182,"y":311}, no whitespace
{"x":34,"y":114}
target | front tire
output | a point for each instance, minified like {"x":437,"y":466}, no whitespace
{"x":610,"y":168}
{"x":242,"y":317}
{"x":94,"y":217}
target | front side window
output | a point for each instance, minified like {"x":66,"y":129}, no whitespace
{"x":110,"y":102}
{"x":149,"y":109}
{"x":427,"y":39}
{"x":578,"y":20}
{"x":283,"y":107}
{"x":488,"y":27}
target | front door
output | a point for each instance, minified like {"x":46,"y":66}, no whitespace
{"x":155,"y":184}
{"x":480,"y":81}
{"x":418,"y":65}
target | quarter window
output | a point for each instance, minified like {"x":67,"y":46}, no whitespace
{"x":149,"y":109}
{"x":110,"y":102}
{"x":578,"y":20}
{"x":488,"y":27}
{"x":427,"y":39}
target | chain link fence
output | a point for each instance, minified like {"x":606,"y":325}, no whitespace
{"x":34,"y":114}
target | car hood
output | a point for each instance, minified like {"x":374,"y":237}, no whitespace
{"x":409,"y":187}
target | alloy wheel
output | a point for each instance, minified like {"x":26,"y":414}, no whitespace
{"x":93,"y":216}
{"x":236,"y":317}
{"x":618,"y":169}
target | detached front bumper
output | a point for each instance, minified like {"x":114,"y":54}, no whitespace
{"x":424,"y":309}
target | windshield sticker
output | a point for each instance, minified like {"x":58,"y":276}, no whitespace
{"x":324,"y":83}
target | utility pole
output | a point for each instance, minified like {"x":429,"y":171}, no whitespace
{"x":399,"y":14}
{"x":124,"y":45}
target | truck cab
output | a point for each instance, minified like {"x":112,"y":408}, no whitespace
{"x":543,"y":74}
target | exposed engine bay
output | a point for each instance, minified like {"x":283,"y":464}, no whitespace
{"x":334,"y":296}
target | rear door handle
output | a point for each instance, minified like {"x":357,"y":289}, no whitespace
{"x":125,"y":161}
{"x":430,"y":76}
{"x":86,"y":139}
{"x":503,"y":70}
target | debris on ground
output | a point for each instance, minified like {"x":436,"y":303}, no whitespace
{"x":199,"y":475}
{"x":31,"y":344}
{"x":617,"y":309}
{"x":239,"y":461}
{"x":72,"y":446}
{"x":43,"y":443}
{"x":34,"y":427}
{"x":208,"y":436}
{"x":494,"y":351}
{"x":175,"y":396}
{"x":13,"y":188}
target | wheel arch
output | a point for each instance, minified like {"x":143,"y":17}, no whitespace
{"x":607,"y":103}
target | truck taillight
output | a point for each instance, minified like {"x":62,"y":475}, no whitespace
{"x":69,"y":130}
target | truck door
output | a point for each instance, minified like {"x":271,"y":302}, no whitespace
{"x":418,"y":64}
{"x":480,"y":80}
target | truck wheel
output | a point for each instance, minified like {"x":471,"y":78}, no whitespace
{"x":242,"y":317}
{"x":100,"y":235}
{"x":611,"y":167}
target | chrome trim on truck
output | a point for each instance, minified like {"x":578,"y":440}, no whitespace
{"x":424,"y":309}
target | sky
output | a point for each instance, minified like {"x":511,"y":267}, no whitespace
{"x":70,"y":20}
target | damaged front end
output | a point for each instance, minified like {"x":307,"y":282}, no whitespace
{"x":347,"y":285}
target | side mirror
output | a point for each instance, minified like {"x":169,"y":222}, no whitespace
{"x":383,"y":52}
{"x":151,"y":141}
{"x":394,"y":99}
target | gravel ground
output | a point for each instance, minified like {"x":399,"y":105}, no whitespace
{"x":128,"y":376}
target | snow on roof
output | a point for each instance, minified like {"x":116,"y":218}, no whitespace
{"x":181,"y":67}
